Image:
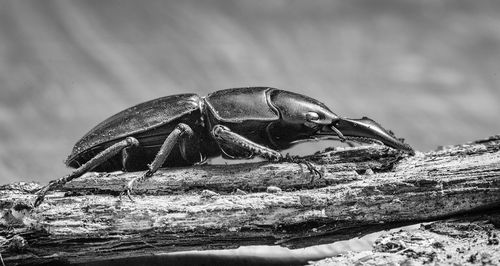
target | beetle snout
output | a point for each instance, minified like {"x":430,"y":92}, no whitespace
{"x":361,"y":130}
{"x":367,"y":130}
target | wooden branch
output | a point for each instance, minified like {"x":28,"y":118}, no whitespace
{"x":468,"y":240}
{"x":363,"y":189}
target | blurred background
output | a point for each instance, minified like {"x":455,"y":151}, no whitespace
{"x":429,"y":70}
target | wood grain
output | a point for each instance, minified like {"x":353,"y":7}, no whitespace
{"x":363,"y":190}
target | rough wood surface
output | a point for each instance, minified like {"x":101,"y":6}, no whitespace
{"x":472,"y":240}
{"x":212,"y":207}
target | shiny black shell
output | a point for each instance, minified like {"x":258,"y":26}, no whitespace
{"x":242,"y":104}
{"x":246,"y":111}
{"x":150,"y":122}
{"x":253,"y":112}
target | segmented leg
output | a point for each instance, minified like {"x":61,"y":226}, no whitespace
{"x":180,"y":131}
{"x":91,"y":164}
{"x":223,"y":133}
{"x":124,"y":159}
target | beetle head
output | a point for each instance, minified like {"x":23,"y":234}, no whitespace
{"x":303,"y":118}
{"x":299,"y":109}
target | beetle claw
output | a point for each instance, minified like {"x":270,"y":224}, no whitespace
{"x":130,"y":184}
{"x":312,"y":169}
{"x":129,"y":195}
{"x":128,"y":190}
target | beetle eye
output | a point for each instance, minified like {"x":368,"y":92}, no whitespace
{"x":312,"y":116}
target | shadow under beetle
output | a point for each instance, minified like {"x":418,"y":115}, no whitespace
{"x":186,"y":129}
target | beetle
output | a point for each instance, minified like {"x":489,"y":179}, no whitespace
{"x":186,"y":129}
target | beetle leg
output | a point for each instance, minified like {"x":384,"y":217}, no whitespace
{"x":224,"y":135}
{"x":202,"y":161}
{"x":124,"y":159}
{"x":180,"y":131}
{"x":339,"y":134}
{"x":91,"y":164}
{"x":310,"y":166}
{"x":189,"y":146}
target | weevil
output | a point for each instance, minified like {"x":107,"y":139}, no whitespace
{"x":186,"y":129}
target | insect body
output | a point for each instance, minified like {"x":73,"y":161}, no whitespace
{"x":187,"y":129}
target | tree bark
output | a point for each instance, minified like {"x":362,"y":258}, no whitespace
{"x":363,"y":189}
{"x":469,"y":240}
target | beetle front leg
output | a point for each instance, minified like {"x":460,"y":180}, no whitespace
{"x":181,"y":130}
{"x":224,"y":135}
{"x":91,"y":164}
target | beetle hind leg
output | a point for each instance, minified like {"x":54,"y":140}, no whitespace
{"x":88,"y":166}
{"x":181,"y":131}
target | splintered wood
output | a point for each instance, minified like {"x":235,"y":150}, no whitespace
{"x":363,"y":189}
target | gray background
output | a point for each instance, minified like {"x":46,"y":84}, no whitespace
{"x":429,"y":70}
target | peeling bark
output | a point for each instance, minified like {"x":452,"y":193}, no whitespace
{"x":364,"y":189}
{"x":465,"y":241}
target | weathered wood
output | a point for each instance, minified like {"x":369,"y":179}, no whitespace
{"x":213,"y":207}
{"x":466,"y":241}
